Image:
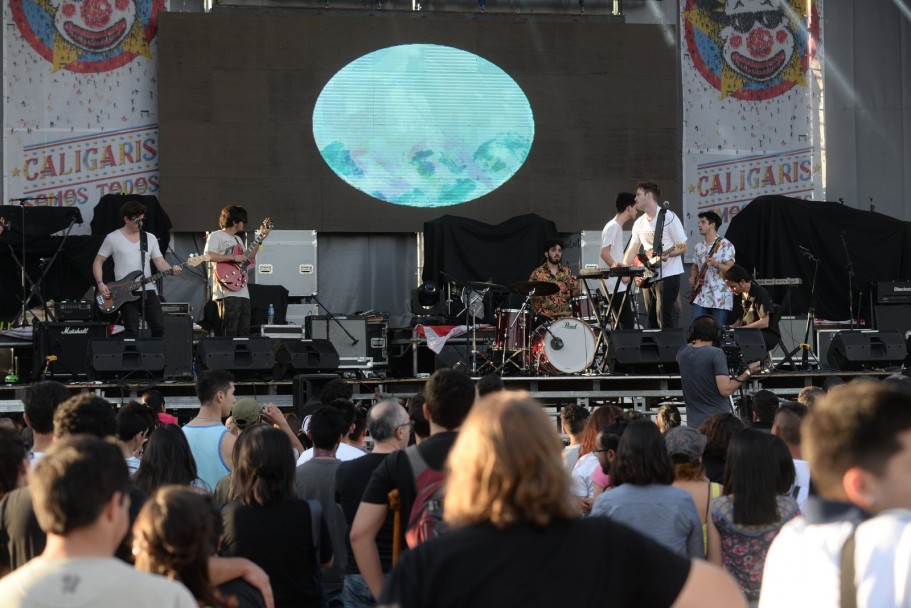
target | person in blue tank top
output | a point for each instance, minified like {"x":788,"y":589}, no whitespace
{"x":209,"y":439}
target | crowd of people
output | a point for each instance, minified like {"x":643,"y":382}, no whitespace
{"x":464,"y":500}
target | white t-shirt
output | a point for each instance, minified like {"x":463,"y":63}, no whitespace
{"x":222,"y":242}
{"x":802,"y":567}
{"x":672,"y":234}
{"x":801,"y":481}
{"x":612,"y":236}
{"x":126,"y":255}
{"x":344,"y":452}
{"x":582,"y":484}
{"x":570,"y":457}
{"x":97,"y":582}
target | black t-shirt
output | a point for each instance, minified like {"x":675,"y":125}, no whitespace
{"x":351,"y":479}
{"x":579,"y":563}
{"x":247,"y":595}
{"x":278,"y":538}
{"x":752,"y":306}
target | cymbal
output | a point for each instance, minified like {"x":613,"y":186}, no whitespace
{"x":541,"y":288}
{"x":485,"y":285}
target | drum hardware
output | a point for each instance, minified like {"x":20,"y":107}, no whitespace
{"x":473,"y":302}
{"x":563,"y":346}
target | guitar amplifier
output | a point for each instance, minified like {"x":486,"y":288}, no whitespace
{"x":60,"y":349}
{"x":73,"y":310}
{"x":893,"y":292}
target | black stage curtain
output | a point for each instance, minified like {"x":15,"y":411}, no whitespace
{"x":468,"y":250}
{"x":68,"y":279}
{"x":107,"y":217}
{"x":769,"y":232}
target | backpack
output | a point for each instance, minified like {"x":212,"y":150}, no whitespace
{"x":426,"y":519}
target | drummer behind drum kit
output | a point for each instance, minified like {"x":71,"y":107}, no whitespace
{"x":563,"y":345}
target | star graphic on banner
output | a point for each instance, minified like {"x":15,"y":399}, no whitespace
{"x":692,"y":188}
{"x":16,"y":171}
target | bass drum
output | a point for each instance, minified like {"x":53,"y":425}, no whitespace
{"x":564,"y":346}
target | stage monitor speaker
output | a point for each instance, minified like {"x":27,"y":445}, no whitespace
{"x":307,"y":386}
{"x":859,"y":350}
{"x":297,"y":356}
{"x":894,"y":317}
{"x":322,"y":327}
{"x":245,"y":357}
{"x":117,"y":359}
{"x":752,"y":345}
{"x":60,"y":348}
{"x":645,"y":351}
{"x":178,"y":340}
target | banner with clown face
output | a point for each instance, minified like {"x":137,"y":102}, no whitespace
{"x":752,"y":103}
{"x":80,"y":100}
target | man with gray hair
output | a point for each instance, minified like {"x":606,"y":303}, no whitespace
{"x":389,"y":426}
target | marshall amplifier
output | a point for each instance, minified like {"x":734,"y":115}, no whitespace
{"x":893,"y":292}
{"x":74,"y":310}
{"x":61,"y":349}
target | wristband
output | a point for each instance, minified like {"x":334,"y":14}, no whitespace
{"x":99,"y":282}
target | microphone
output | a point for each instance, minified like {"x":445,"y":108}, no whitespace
{"x":666,"y":204}
{"x":556,"y":343}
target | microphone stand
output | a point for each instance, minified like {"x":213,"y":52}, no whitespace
{"x":850,"y":269}
{"x":805,"y":346}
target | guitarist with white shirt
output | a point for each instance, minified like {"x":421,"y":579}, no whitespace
{"x":125,"y":245}
{"x":664,"y":253}
{"x":713,"y":256}
{"x":229,"y":290}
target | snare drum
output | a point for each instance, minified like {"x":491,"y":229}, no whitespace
{"x":563,"y":346}
{"x":513,"y":327}
{"x":583,"y":309}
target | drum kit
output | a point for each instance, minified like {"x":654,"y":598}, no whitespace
{"x":562,"y":344}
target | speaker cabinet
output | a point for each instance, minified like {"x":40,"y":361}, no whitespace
{"x":307,"y":356}
{"x":307,"y":386}
{"x":751,"y":343}
{"x":645,"y":351}
{"x":118,"y":359}
{"x":894,"y":317}
{"x":60,"y":348}
{"x":322,"y":327}
{"x":245,"y":357}
{"x":859,"y":350}
{"x":178,"y":340}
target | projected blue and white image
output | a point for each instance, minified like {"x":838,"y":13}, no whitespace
{"x":423,"y":125}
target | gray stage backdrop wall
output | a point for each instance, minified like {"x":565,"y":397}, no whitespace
{"x":237,"y":92}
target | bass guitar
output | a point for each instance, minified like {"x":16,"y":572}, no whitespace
{"x":233,"y":277}
{"x":122,"y":291}
{"x":650,"y":264}
{"x":700,"y":278}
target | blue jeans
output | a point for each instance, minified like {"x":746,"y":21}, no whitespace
{"x":356,"y":593}
{"x":719,"y":314}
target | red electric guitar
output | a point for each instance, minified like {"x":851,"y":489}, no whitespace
{"x":700,"y":278}
{"x":233,"y":277}
{"x":125,"y":290}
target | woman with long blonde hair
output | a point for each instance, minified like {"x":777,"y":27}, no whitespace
{"x":515,"y":529}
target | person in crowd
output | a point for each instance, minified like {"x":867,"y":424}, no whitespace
{"x":345,"y":450}
{"x":572,"y":422}
{"x":357,"y":438}
{"x":514,"y":530}
{"x":40,"y":401}
{"x":608,"y":443}
{"x":685,"y":446}
{"x":612,"y":257}
{"x":449,"y":395}
{"x":420,"y":426}
{"x":267,"y":524}
{"x":665,"y":252}
{"x":490,"y":383}
{"x":82,"y":504}
{"x":752,"y":511}
{"x":133,"y":250}
{"x":315,"y":479}
{"x":809,"y":394}
{"x":788,"y":420}
{"x":753,"y":306}
{"x":713,"y":256}
{"x":642,"y":496}
{"x":134,"y":422}
{"x":718,"y":429}
{"x":855,"y":535}
{"x":389,"y":425}
{"x":704,"y":374}
{"x":210,"y":441}
{"x":175,"y":535}
{"x":167,"y":460}
{"x":552,"y":271}
{"x":765,"y":405}
{"x":246,"y":412}
{"x":667,"y":418}
{"x":327,"y":394}
{"x":583,"y":487}
{"x":14,"y":461}
{"x":154,"y":400}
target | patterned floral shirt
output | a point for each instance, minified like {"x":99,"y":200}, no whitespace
{"x":715,"y":293}
{"x":743,"y":548}
{"x":560,"y":302}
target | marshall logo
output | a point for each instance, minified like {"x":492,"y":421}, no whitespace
{"x":72,"y":331}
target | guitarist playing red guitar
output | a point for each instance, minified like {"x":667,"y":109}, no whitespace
{"x":232,"y":259}
{"x":713,"y":256}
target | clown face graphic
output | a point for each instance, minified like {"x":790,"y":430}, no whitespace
{"x":94,"y":25}
{"x":757,"y":41}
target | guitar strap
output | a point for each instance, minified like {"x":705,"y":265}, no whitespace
{"x":657,"y":247}
{"x":143,"y":249}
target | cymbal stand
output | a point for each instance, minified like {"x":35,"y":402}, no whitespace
{"x":473,"y":298}
{"x":805,"y":347}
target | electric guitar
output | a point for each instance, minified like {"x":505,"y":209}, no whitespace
{"x":122,"y":291}
{"x":233,"y":277}
{"x":700,"y":278}
{"x":650,"y":265}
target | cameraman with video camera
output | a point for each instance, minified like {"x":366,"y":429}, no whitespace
{"x":705,"y":372}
